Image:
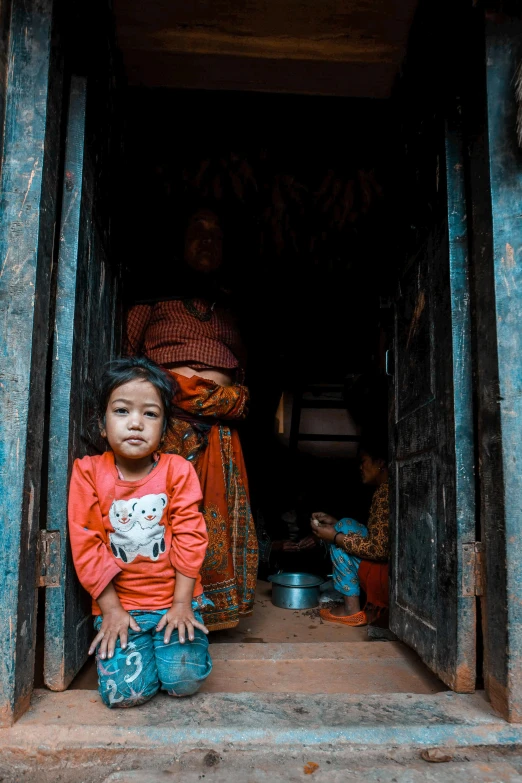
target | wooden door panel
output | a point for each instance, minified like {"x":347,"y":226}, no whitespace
{"x":417,"y":539}
{"x":414,"y":341}
{"x":66,"y":611}
{"x":433,"y":491}
{"x":84,"y":342}
{"x":496,"y":198}
{"x":31,"y":90}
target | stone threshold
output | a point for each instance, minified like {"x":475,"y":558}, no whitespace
{"x":76,"y":722}
{"x":496,"y":772}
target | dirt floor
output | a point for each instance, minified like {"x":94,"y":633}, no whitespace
{"x":270,"y":624}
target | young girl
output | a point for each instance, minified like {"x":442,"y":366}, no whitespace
{"x":138,"y":542}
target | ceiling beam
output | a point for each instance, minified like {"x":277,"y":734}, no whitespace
{"x":338,"y":47}
{"x":213,"y":72}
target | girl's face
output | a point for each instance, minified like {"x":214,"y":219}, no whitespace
{"x":371,"y":470}
{"x":134,"y":420}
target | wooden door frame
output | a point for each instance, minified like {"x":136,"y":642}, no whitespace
{"x":30,"y":166}
{"x":30,"y":153}
{"x":47,"y":41}
{"x":495,"y":178}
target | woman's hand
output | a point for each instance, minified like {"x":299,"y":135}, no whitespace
{"x":180,"y":616}
{"x":284,"y":545}
{"x":323,"y":526}
{"x":322,"y":519}
{"x":324,"y":532}
{"x":293,"y":546}
{"x":306,"y":543}
{"x":116,"y":623}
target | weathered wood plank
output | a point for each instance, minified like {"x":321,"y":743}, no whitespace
{"x":221,"y":72}
{"x":28,"y":187}
{"x":501,"y":401}
{"x":87,"y":328}
{"x":290,"y":46}
{"x":460,"y":430}
{"x":61,"y":653}
{"x":5,"y":19}
{"x":334,"y":47}
{"x":433,"y":493}
{"x":486,"y":372}
{"x":290,"y":29}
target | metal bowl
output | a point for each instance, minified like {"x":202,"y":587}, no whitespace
{"x":295,"y":591}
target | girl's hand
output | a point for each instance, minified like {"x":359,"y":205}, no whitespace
{"x":320,"y":518}
{"x":180,"y":616}
{"x":116,"y":623}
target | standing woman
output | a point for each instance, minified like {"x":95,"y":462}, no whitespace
{"x":194,"y":337}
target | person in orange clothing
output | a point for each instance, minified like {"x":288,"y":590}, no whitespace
{"x":193,"y":335}
{"x":138,"y":542}
{"x":360,"y":553}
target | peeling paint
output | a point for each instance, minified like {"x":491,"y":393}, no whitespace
{"x":31,"y":177}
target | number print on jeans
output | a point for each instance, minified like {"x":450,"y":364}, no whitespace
{"x":113,"y":689}
{"x":130,"y":660}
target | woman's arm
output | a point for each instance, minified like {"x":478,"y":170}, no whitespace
{"x":206,"y":398}
{"x":189,"y":532}
{"x":376,"y":545}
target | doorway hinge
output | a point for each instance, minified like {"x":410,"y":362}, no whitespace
{"x":472,"y":569}
{"x":49,"y":564}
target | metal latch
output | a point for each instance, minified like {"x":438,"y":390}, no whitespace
{"x":49,"y":559}
{"x":472,"y":569}
{"x":389,"y":363}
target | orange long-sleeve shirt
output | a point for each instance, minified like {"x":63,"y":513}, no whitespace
{"x":136,"y":533}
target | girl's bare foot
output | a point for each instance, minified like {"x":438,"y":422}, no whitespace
{"x":351,"y":605}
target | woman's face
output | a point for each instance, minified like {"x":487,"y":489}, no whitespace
{"x":204,"y":242}
{"x":371,"y":470}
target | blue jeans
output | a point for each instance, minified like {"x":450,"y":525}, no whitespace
{"x":134,"y":675}
{"x":345,"y":566}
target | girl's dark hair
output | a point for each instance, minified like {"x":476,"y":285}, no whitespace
{"x":375,"y":444}
{"x":120,"y":371}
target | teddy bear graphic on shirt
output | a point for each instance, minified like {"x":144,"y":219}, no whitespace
{"x":137,"y":528}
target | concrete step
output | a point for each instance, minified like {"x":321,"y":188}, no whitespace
{"x":72,"y":737}
{"x":496,"y":772}
{"x":76,"y":722}
{"x":321,"y":667}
